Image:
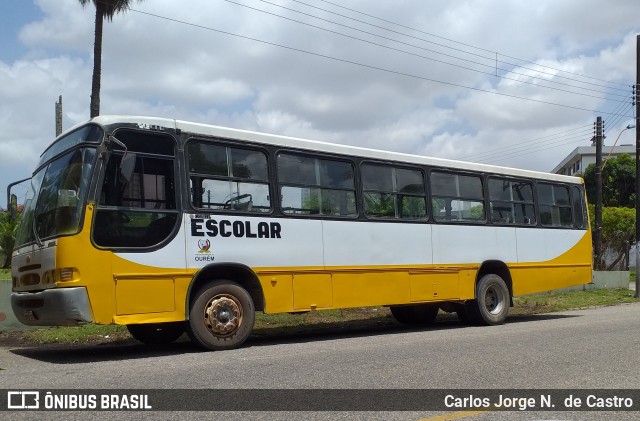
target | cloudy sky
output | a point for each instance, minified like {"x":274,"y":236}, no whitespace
{"x":506,"y":82}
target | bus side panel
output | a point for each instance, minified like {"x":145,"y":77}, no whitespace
{"x":434,"y":285}
{"x":254,"y":241}
{"x":151,"y":286}
{"x":548,"y":245}
{"x":536,"y":278}
{"x":472,"y":245}
{"x":368,"y":288}
{"x":543,"y":264}
{"x":371,"y":261}
{"x":351,"y":243}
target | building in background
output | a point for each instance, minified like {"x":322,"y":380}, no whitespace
{"x":580,"y":158}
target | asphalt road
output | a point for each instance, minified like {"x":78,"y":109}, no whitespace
{"x":586,"y":349}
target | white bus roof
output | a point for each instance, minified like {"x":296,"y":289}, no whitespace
{"x":317,"y":146}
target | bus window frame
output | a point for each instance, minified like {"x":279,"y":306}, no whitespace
{"x":353,"y":161}
{"x":552,"y":183}
{"x":90,"y":185}
{"x":397,"y":165}
{"x":231,"y":143}
{"x":583,"y":204}
{"x":99,"y":176}
{"x":534,"y":201}
{"x":484,"y":189}
{"x":42,"y":162}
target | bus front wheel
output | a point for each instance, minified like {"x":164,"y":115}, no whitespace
{"x":156,"y":333}
{"x":491,"y":305}
{"x":221,"y":316}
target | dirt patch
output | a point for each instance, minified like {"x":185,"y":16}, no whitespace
{"x":22,"y":340}
{"x":15,"y":339}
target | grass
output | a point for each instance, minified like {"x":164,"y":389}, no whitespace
{"x":77,"y":334}
{"x":559,"y":301}
{"x":347,"y":319}
{"x":5,"y":273}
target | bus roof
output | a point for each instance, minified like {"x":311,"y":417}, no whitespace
{"x":318,"y":146}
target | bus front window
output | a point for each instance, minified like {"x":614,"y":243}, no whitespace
{"x":60,"y":203}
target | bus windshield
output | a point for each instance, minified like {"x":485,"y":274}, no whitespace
{"x":56,"y":197}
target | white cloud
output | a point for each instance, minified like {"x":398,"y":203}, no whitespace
{"x":155,"y":66}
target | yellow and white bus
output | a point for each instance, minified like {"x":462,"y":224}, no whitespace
{"x":168,"y":226}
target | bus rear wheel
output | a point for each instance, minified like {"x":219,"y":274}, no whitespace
{"x":221,"y":316}
{"x":491,"y":305}
{"x":417,"y":314}
{"x":157,"y":333}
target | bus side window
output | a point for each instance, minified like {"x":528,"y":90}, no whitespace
{"x":554,"y":205}
{"x":391,"y":192}
{"x":511,"y":202}
{"x":579,"y":212}
{"x":314,"y":186}
{"x":457,"y":197}
{"x":228,"y":178}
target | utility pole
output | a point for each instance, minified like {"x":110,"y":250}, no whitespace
{"x":598,"y":232}
{"x":59,"y":116}
{"x":636,"y":99}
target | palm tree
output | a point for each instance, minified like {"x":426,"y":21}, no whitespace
{"x":104,"y":9}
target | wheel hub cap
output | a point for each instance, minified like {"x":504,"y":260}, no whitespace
{"x":493,"y":301}
{"x":222,"y":315}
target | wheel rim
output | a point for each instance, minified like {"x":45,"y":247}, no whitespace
{"x":223,"y":315}
{"x":494,"y":300}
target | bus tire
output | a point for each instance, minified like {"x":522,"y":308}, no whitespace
{"x":221,"y":316}
{"x":491,"y":305}
{"x":157,"y":333}
{"x":417,"y":314}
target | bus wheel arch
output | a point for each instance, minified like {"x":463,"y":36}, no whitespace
{"x":494,"y":295}
{"x":235,"y":272}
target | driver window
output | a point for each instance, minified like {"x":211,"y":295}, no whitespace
{"x":141,"y":211}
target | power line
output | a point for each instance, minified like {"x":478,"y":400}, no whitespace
{"x":618,"y":116}
{"x":537,"y":140}
{"x":466,"y":45}
{"x":431,"y":51}
{"x":553,"y":145}
{"x":367,"y":66}
{"x":493,"y":58}
{"x":512,"y":152}
{"x":533,"y":143}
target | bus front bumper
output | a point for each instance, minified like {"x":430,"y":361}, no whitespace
{"x":52,"y":307}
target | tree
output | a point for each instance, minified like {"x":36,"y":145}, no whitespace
{"x":8,"y":227}
{"x":618,"y":182}
{"x":104,"y":9}
{"x":618,"y":232}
